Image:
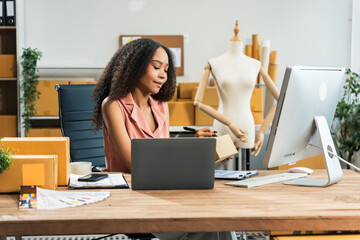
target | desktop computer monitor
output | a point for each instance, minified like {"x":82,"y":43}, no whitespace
{"x":304,"y":114}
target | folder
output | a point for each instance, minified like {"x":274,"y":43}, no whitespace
{"x":2,"y":13}
{"x":9,"y":12}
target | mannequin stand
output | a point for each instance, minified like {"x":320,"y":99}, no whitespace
{"x":245,"y":160}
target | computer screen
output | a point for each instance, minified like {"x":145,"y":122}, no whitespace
{"x":306,"y":93}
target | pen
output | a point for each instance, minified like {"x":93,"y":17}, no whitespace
{"x":189,"y":129}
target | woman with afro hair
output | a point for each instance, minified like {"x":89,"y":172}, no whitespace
{"x":131,"y":103}
{"x":131,"y":99}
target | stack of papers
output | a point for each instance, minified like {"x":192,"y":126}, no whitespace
{"x":51,"y":199}
{"x":112,"y":181}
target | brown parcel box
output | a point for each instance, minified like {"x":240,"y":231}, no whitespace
{"x":202,"y":118}
{"x":185,"y":89}
{"x":224,"y":147}
{"x":59,"y":146}
{"x":7,"y":65}
{"x":8,"y":126}
{"x":211,"y":97}
{"x":181,"y":113}
{"x":27,"y":170}
{"x":47,"y":104}
{"x":44,"y":132}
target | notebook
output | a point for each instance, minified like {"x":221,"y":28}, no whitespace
{"x":172,"y":163}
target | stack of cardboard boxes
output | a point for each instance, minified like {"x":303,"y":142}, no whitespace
{"x":38,"y":161}
{"x":182,"y":111}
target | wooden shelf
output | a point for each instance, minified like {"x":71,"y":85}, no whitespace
{"x":8,"y":79}
{"x":7,"y":27}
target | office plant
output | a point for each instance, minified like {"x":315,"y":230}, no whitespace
{"x":30,"y":80}
{"x":5,"y":158}
{"x":348,"y":116}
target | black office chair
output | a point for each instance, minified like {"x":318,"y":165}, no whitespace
{"x":75,"y":112}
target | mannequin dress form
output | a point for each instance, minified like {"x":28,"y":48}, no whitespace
{"x":235,"y":76}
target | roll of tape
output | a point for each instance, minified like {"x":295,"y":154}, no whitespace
{"x":80,"y":168}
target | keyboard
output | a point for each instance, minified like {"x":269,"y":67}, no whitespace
{"x":258,"y":181}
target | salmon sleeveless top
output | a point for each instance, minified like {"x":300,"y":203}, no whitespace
{"x":136,"y":127}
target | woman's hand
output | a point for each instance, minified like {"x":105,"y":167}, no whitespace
{"x":259,"y":140}
{"x":238,"y":132}
{"x":205,"y":132}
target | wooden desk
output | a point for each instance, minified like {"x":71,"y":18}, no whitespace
{"x":269,"y":207}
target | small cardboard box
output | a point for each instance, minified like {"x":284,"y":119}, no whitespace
{"x":59,"y":146}
{"x":224,"y":147}
{"x":47,"y":104}
{"x":7,"y":65}
{"x":258,"y":117}
{"x":8,"y":126}
{"x":211,"y":97}
{"x":202,"y":118}
{"x":185,"y":89}
{"x":28,"y":170}
{"x":181,"y":113}
{"x":256,"y":101}
{"x":44,"y":132}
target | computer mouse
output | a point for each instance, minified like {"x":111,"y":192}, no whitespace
{"x":301,"y":170}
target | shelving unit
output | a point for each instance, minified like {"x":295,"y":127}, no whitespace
{"x":8,"y":82}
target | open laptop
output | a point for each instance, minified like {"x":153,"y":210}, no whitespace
{"x":172,"y":163}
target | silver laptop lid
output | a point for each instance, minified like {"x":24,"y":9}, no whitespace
{"x":172,"y":163}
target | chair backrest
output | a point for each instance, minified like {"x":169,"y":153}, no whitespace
{"x":75,"y":111}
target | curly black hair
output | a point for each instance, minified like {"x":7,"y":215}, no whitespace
{"x":124,"y":71}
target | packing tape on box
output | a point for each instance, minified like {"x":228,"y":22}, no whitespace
{"x":80,"y":168}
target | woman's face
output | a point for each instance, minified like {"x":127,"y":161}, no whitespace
{"x":156,"y":73}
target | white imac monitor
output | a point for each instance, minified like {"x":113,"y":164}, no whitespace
{"x":304,"y":114}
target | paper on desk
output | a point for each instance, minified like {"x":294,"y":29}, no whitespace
{"x":51,"y":199}
{"x":115,"y":180}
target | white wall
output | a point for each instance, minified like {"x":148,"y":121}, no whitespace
{"x":355,"y":37}
{"x":85,"y":33}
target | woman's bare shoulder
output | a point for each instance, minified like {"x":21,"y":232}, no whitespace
{"x":109,"y":105}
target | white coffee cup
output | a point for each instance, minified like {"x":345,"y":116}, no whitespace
{"x":81,"y":168}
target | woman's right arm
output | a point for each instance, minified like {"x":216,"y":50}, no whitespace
{"x":114,"y":122}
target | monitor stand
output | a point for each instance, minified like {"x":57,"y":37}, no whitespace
{"x":333,"y":167}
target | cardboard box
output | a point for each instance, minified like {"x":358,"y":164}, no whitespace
{"x":211,"y":97}
{"x":185,"y":89}
{"x":258,"y":117}
{"x":47,"y":104}
{"x":59,"y":146}
{"x":202,"y":118}
{"x":28,"y":170}
{"x":7,"y":65}
{"x":85,"y":81}
{"x":181,"y":113}
{"x":8,"y":126}
{"x":175,"y":97}
{"x":256,"y":101}
{"x":224,"y":147}
{"x":316,"y":162}
{"x":44,"y":132}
